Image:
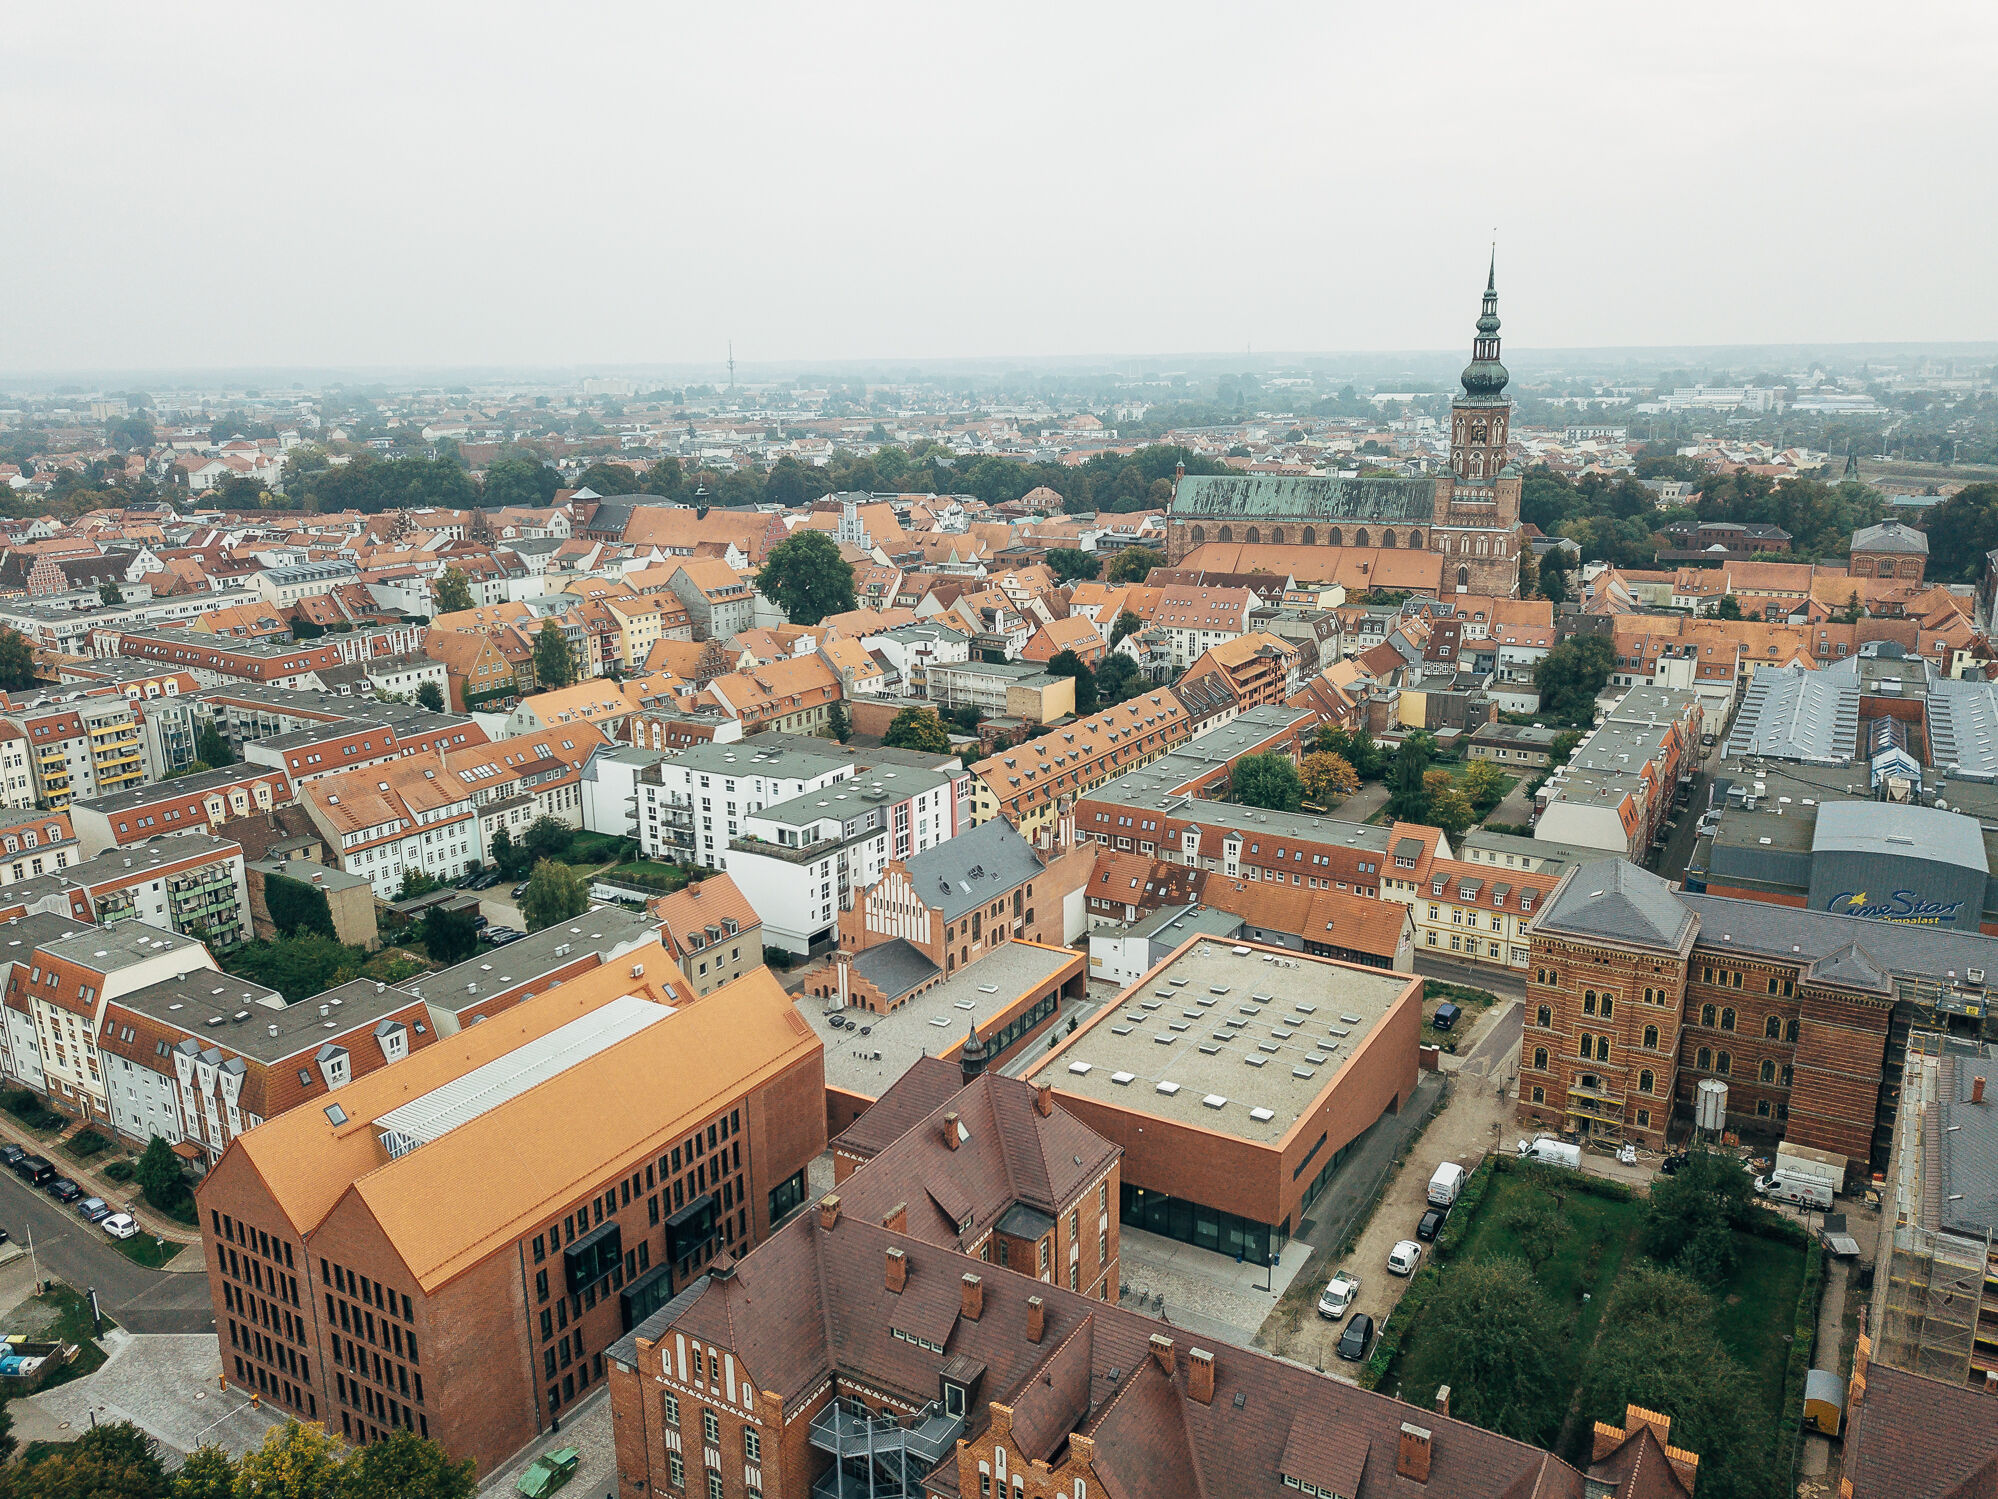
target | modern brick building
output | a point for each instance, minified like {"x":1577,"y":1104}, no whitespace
{"x":450,"y":1245}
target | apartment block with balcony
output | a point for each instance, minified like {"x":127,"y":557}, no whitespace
{"x":190,"y":883}
{"x":694,"y":801}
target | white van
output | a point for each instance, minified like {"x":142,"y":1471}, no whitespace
{"x":1549,"y":1151}
{"x":1446,"y":1184}
{"x":1798,"y":1191}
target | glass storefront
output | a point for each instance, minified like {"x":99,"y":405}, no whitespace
{"x":1208,"y":1228}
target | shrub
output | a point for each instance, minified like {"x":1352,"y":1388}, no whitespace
{"x":778,"y":958}
{"x":120,"y":1171}
{"x":28,"y":1107}
{"x":86,"y":1143}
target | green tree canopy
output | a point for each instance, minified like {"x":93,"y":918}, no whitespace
{"x":548,"y":837}
{"x":1449,"y":808}
{"x":521,"y":481}
{"x":1134,"y":564}
{"x":917,"y":729}
{"x":1268,"y":780}
{"x":1070,"y":564}
{"x":1695,"y":1212}
{"x":1961,"y":531}
{"x":807,"y":578}
{"x":298,"y":967}
{"x":212,"y":748}
{"x":403,"y":1465}
{"x":554,"y":892}
{"x":1408,"y":789}
{"x":1127,"y":624}
{"x":839,"y":723}
{"x":296,"y":1461}
{"x":160,"y":1176}
{"x":431,"y":696}
{"x":208,"y":1473}
{"x":1068,"y":664}
{"x":1118,"y":677}
{"x":1729,"y":607}
{"x":17,"y":661}
{"x":1495,"y":1337}
{"x":509,"y":857}
{"x":607,"y":479}
{"x":450,"y":936}
{"x":453,"y":592}
{"x":1572,"y":675}
{"x":554,"y":661}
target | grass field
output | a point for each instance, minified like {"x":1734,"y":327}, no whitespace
{"x":143,"y":1249}
{"x":1757,"y":1309}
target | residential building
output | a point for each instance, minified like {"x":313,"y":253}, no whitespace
{"x":1037,"y":784}
{"x":692,"y":802}
{"x":718,"y":599}
{"x":1258,"y":669}
{"x":198,"y":803}
{"x":712,"y":931}
{"x":1513,"y":746}
{"x":1616,"y":788}
{"x":387,"y":823}
{"x":189,"y":883}
{"x":1478,"y":915}
{"x":597,"y":703}
{"x":795,"y":696}
{"x":953,"y":905}
{"x":1001,"y":689}
{"x":350,"y":899}
{"x":35,"y":843}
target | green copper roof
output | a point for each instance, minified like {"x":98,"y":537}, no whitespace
{"x":1289,"y":497}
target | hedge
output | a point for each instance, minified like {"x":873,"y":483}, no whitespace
{"x":1803,"y":1334}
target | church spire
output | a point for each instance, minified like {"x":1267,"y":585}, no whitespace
{"x":1484,"y":378}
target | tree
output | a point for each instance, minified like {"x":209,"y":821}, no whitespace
{"x":508,"y":856}
{"x":548,"y":838}
{"x":208,"y":1473}
{"x":1117,"y":677}
{"x":1134,"y":564}
{"x":296,"y":1461}
{"x":1484,"y":784}
{"x":1695,"y":1212}
{"x":1327,"y":776}
{"x":520,"y":481}
{"x":297,"y":906}
{"x":1072,"y":565}
{"x":1729,"y":607}
{"x":1449,"y":808}
{"x":839,"y":723}
{"x":1127,"y":624}
{"x":1408,"y":793}
{"x":1355,"y":746}
{"x":917,"y":729}
{"x":1535,"y":1221}
{"x":1962,"y":529}
{"x":1572,"y":675}
{"x":403,"y":1465}
{"x":212,"y":748}
{"x":159,"y":1175}
{"x":807,"y":578}
{"x":607,"y":479}
{"x":454,"y":592}
{"x":1495,"y":1337}
{"x":17,"y":661}
{"x":416,"y":882}
{"x":1068,"y":664}
{"x":109,"y":593}
{"x":1268,"y":780}
{"x":554,"y":892}
{"x":431,"y":696}
{"x":1554,"y":568}
{"x":298,"y":967}
{"x":554,"y":662}
{"x":450,"y":936}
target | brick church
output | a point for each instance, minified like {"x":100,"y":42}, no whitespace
{"x":1467,"y":517}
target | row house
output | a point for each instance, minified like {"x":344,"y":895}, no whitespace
{"x":216,"y":663}
{"x":1035,"y":785}
{"x":1617,"y":788}
{"x":192,"y":803}
{"x":189,"y":883}
{"x":795,"y":696}
{"x":35,"y":843}
{"x":1194,"y":620}
{"x":384,"y":823}
{"x":719,"y":601}
{"x":514,"y":783}
{"x":599,"y":704}
{"x":1478,"y":914}
{"x":692,"y":803}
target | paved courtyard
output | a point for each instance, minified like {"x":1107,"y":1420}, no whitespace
{"x":587,"y":1428}
{"x":166,"y":1384}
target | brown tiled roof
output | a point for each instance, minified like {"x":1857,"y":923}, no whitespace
{"x":1914,"y":1438}
{"x":911,"y":1098}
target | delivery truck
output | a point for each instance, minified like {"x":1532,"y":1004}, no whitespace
{"x":1445,"y":1184}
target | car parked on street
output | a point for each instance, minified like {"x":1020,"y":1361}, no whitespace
{"x":1404,"y":1257}
{"x":1357,"y":1338}
{"x":1337,"y":1298}
{"x":94,"y":1209}
{"x":1431,"y":1224}
{"x":120,"y":1226}
{"x":62,"y":1189}
{"x":10,"y":1153}
{"x":34,"y":1170}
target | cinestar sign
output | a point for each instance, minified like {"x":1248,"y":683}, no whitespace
{"x":1899,"y":905}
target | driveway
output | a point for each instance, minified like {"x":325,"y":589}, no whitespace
{"x":68,"y":1249}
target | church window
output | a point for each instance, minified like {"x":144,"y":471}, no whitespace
{"x":1227,"y":533}
{"x":1276,"y":535}
{"x":1387,"y":538}
{"x":1199,"y":535}
{"x":1360,"y":537}
{"x":1254,"y":535}
{"x":1311,"y":536}
{"x":1463,"y":577}
{"x":1333,"y":538}
{"x":1415,"y":540}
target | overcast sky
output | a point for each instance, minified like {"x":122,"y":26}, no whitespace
{"x":205,"y":185}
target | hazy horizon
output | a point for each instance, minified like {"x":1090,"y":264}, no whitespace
{"x":232,"y":189}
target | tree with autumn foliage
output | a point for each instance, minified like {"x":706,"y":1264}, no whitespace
{"x":1327,"y":776}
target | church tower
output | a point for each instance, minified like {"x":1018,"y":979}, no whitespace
{"x":1476,"y":526}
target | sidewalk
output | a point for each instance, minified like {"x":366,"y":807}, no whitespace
{"x":124,"y":1197}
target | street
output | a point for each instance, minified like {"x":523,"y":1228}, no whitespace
{"x":68,"y":1249}
{"x":1506,"y":983}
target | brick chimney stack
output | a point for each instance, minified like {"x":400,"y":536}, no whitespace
{"x":828,"y":1210}
{"x":1200,"y":1375}
{"x":896,"y":1219}
{"x":1443,"y":1400}
{"x":1037,"y":1319}
{"x":971,"y":1297}
{"x":898,"y":1270}
{"x":1044,"y":1099}
{"x":1977,"y":1090}
{"x":1412,"y":1461}
{"x":1162,"y":1351}
{"x":950,"y":1131}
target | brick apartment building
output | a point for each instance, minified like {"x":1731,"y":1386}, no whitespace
{"x":451,"y":1244}
{"x":1034,"y":784}
{"x":1638,"y":992}
{"x":877,"y":1347}
{"x":196,"y":803}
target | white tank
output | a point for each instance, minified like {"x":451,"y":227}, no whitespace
{"x":1710,"y":1104}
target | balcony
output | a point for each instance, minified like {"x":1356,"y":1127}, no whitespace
{"x":878,"y":1456}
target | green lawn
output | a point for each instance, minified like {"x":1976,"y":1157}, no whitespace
{"x":1473,"y":1002}
{"x":73,"y":1325}
{"x":1757,"y":1314}
{"x":664,"y":878}
{"x":144,"y":1249}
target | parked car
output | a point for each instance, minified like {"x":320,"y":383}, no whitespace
{"x":10,"y":1153}
{"x":94,"y":1209}
{"x":547,"y":1473}
{"x":1431,"y":1224}
{"x":3,"y":1236}
{"x":62,"y":1189}
{"x":1357,"y":1338}
{"x":1446,"y":1016}
{"x":520,"y":890}
{"x":1337,"y":1298}
{"x":34,"y":1170}
{"x":1404,"y":1257}
{"x":120,"y":1225}
{"x":485,"y":881}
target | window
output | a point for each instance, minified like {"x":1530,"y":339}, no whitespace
{"x":1602,"y":1048}
{"x":1540,"y":1095}
{"x":1706,"y":1015}
{"x":1790,"y":1030}
{"x":710,"y":1428}
{"x":1644,"y":1081}
{"x":1727,"y":1020}
{"x":1704,"y":1059}
{"x":1651,"y":1038}
{"x":1723,"y":1063}
{"x":1766,"y":1072}
{"x":1539,"y":1059}
{"x":673,"y":1410}
{"x":1609,"y":1005}
{"x":752,"y":1446}
{"x":1587,"y":1046}
{"x":1773,"y":1026}
{"x":676,"y":1470}
{"x":1544,"y":1018}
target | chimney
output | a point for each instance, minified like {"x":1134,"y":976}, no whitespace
{"x":898,"y":1270}
{"x":1443,"y":1400}
{"x":896,"y":1219}
{"x":1200,"y":1375}
{"x":1412,"y":1461}
{"x":1037,"y":1319}
{"x":828,"y":1211}
{"x":1977,"y":1090}
{"x":971,"y":1297}
{"x":950,"y":1131}
{"x":1162,"y":1351}
{"x":1044,"y":1099}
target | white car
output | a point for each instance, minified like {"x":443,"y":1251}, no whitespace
{"x":120,"y":1226}
{"x":1337,"y":1298}
{"x":1404,"y":1257}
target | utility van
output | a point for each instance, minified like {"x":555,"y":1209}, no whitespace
{"x":1549,"y":1151}
{"x":1447,"y":1182}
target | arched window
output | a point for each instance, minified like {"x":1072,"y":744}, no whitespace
{"x":1360,"y":537}
{"x":1703,"y":1059}
{"x":1773,"y":1028}
{"x":1333,"y":538}
{"x":1602,"y":1048}
{"x":1727,"y":1020}
{"x":1762,"y":1108}
{"x":1723,"y":1063}
{"x":1227,"y":533}
{"x":1706,"y":1015}
{"x":1415,"y":540}
{"x":1199,"y":534}
{"x":1311,"y":536}
{"x":1651,"y":1038}
{"x":1645,"y":1080}
{"x":1387,"y":538}
{"x":1589,"y":1002}
{"x":1790,"y":1031}
{"x":1463,"y":577}
{"x":1539,"y":1059}
{"x":1254,"y":534}
{"x":1609,"y":1005}
{"x":1767,"y":1072}
{"x":1544,"y":1017}
{"x":1276,"y":535}
{"x":1588,"y":1046}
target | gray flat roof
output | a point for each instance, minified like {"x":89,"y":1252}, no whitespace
{"x":1193,"y":762}
{"x":1901,"y":829}
{"x":306,"y":872}
{"x":255,"y":1021}
{"x":844,"y":799}
{"x":601,"y":929}
{"x":108,"y":949}
{"x":752,"y":757}
{"x":160,"y":791}
{"x":1231,"y":1037}
{"x":136,"y":858}
{"x":930,"y":1024}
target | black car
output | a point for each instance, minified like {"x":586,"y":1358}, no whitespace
{"x":1357,"y":1338}
{"x":485,"y":881}
{"x":1431,"y":1224}
{"x":10,"y":1153}
{"x":520,"y":890}
{"x":33,"y":1170}
{"x":62,"y":1189}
